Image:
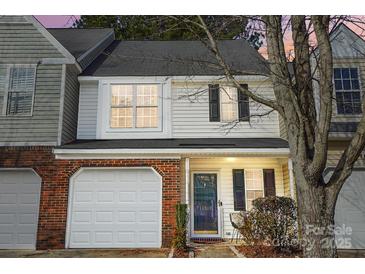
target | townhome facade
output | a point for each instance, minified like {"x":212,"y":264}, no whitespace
{"x":146,"y":105}
{"x":118,"y":132}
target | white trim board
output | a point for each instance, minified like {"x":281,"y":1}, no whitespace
{"x":62,"y":100}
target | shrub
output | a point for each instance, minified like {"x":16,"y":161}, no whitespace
{"x":181,"y":222}
{"x":272,"y":221}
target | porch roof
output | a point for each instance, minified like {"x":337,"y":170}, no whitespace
{"x":183,"y":143}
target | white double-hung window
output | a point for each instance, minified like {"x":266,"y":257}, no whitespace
{"x":135,"y":106}
{"x":20,"y":90}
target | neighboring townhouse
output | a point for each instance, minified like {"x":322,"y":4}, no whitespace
{"x":39,"y":93}
{"x":349,"y":77}
{"x":101,"y":138}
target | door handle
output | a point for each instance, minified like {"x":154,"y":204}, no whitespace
{"x":220,"y":203}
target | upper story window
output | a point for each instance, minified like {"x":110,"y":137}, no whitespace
{"x":227,"y":104}
{"x":134,"y":106}
{"x":20,"y":90}
{"x":348,"y":91}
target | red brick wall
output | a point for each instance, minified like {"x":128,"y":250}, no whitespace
{"x":55,"y":182}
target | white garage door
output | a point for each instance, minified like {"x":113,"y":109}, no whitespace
{"x":350,"y":211}
{"x":113,"y":208}
{"x":19,"y":206}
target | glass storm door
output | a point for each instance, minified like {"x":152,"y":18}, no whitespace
{"x":205,"y":204}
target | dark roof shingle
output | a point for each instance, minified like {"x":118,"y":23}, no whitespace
{"x":179,"y":143}
{"x":79,"y":41}
{"x":175,"y":58}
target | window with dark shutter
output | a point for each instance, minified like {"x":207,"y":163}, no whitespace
{"x":243,"y":105}
{"x":239,"y":189}
{"x":269,"y":182}
{"x":214,"y":112}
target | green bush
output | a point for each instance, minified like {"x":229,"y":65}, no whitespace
{"x":181,"y":222}
{"x":271,"y":221}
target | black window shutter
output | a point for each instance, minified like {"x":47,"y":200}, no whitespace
{"x":269,"y":182}
{"x":214,"y":112}
{"x":243,"y":105}
{"x":239,"y":189}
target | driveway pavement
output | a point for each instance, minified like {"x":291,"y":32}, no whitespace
{"x":86,"y":253}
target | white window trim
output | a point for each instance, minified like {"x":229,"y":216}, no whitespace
{"x":134,"y":128}
{"x":360,"y":90}
{"x":104,"y":131}
{"x":262,"y":183}
{"x":6,"y":90}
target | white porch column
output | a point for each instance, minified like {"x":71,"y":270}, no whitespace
{"x":291,"y":179}
{"x":187,"y":194}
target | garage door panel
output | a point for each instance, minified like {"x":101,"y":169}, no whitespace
{"x":350,"y":210}
{"x":116,"y":208}
{"x":19,"y":206}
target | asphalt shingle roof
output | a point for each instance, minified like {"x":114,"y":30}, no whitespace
{"x":78,"y":41}
{"x":175,"y":58}
{"x":179,"y":143}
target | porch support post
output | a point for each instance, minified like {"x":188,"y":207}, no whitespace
{"x":187,"y":194}
{"x":291,"y":179}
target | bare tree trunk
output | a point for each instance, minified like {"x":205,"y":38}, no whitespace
{"x":316,"y":219}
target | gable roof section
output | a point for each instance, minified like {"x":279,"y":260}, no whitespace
{"x":175,"y":58}
{"x":346,"y":43}
{"x":82,"y":43}
{"x":70,"y":58}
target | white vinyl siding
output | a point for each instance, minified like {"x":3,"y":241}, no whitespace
{"x":88,"y":105}
{"x":190,"y":115}
{"x":224,"y":166}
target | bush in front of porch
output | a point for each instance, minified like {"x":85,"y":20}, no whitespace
{"x":271,"y":224}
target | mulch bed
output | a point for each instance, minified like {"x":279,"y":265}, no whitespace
{"x":180,"y":253}
{"x":262,"y":251}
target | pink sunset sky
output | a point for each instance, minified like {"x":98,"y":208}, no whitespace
{"x":57,"y":21}
{"x":66,"y":21}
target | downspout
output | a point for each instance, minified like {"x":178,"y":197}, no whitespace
{"x":291,"y":179}
{"x":187,"y":192}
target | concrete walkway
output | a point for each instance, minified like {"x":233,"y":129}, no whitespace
{"x":218,"y":250}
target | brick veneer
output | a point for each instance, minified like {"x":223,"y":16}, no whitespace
{"x":55,"y":176}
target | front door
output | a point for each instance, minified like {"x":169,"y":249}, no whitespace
{"x":205,"y":205}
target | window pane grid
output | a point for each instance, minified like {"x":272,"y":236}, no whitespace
{"x":229,"y":106}
{"x":134,"y":106}
{"x":348,"y":93}
{"x":253,"y":186}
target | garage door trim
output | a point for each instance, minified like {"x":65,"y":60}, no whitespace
{"x":71,"y":187}
{"x":39,"y":191}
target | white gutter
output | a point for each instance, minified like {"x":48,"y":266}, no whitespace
{"x":165,"y":152}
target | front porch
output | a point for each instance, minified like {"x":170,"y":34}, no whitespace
{"x":215,"y":187}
